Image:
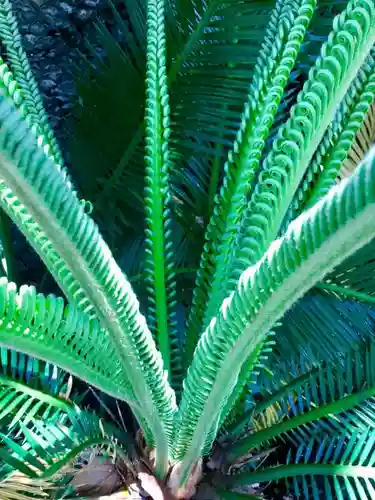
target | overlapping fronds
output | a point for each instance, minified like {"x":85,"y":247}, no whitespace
{"x":339,"y":139}
{"x":313,"y":245}
{"x":20,"y":403}
{"x":104,"y":84}
{"x":40,"y":375}
{"x":331,"y":392}
{"x":279,"y":376}
{"x":197,"y":90}
{"x":317,"y":329}
{"x":44,"y":328}
{"x":159,"y":259}
{"x":335,"y":467}
{"x":345,"y":51}
{"x":323,"y":327}
{"x":51,"y":444}
{"x":295,"y":144}
{"x":75,"y":238}
{"x":364,"y":139}
{"x":239,"y":160}
{"x":283,"y":39}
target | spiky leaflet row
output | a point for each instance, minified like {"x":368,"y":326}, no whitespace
{"x":159,"y":262}
{"x":337,"y":140}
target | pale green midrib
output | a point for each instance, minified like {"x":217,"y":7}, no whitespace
{"x":345,"y":403}
{"x":283,"y":471}
{"x":97,"y":296}
{"x":323,"y":260}
{"x":161,"y":312}
{"x":323,"y":125}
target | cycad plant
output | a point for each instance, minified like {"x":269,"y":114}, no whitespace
{"x":273,"y":376}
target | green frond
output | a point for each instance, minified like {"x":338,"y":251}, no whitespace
{"x":364,"y":139}
{"x":295,"y":144}
{"x":323,"y":327}
{"x":20,"y":404}
{"x":38,"y":374}
{"x":159,"y":259}
{"x":331,"y":392}
{"x":44,"y":328}
{"x":75,"y":238}
{"x":283,"y":39}
{"x":336,"y":467}
{"x":335,"y":145}
{"x":11,"y":38}
{"x":48,"y":446}
{"x":313,"y":245}
{"x":342,"y":56}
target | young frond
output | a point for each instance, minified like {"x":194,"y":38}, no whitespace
{"x":335,"y":146}
{"x":364,"y":139}
{"x":159,"y":260}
